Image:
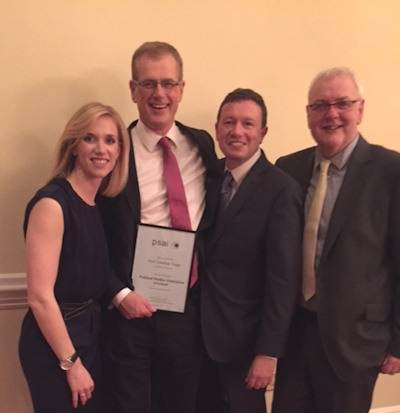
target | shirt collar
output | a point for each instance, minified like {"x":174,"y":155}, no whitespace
{"x":150,"y":139}
{"x":240,"y":172}
{"x":341,"y":159}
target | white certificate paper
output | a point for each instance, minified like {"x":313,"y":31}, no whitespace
{"x":162,"y":266}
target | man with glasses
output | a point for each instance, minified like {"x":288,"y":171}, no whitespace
{"x":152,"y":357}
{"x":347,"y":326}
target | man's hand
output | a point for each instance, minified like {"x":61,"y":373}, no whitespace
{"x":135,"y":306}
{"x":261,"y":372}
{"x":390,"y":365}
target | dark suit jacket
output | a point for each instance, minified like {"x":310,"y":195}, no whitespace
{"x":121,"y":214}
{"x":357,"y":282}
{"x":253,"y":268}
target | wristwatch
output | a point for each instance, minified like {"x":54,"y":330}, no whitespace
{"x":66,"y":364}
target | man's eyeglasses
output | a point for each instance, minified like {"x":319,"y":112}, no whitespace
{"x":341,"y":106}
{"x":152,"y":84}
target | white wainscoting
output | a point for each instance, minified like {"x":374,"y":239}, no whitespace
{"x":13,"y":290}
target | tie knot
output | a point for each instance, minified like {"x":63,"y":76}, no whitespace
{"x":227,"y":182}
{"x":164,"y":142}
{"x":324,"y":166}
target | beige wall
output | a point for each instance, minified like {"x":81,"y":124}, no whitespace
{"x":57,"y":55}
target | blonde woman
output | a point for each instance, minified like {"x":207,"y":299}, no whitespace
{"x":67,"y":263}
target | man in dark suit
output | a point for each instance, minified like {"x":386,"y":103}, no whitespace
{"x":349,"y":330}
{"x":152,"y":358}
{"x":253,"y":258}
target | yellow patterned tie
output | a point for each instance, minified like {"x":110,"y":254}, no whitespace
{"x":311,"y":231}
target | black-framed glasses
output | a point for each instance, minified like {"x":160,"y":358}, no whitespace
{"x":152,"y":84}
{"x":340,"y":106}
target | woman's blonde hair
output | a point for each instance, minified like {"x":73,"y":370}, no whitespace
{"x":75,"y":130}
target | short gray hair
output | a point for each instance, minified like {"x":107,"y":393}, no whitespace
{"x":333,"y":72}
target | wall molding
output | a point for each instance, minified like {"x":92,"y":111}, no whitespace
{"x":390,"y":409}
{"x":13,"y":291}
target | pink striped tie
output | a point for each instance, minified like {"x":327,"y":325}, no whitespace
{"x":180,"y":218}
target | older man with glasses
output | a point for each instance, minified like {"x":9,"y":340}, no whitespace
{"x":347,"y":326}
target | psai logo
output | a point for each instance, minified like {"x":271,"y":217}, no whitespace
{"x":163,"y":243}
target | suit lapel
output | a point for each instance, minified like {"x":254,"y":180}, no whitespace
{"x":210,"y":161}
{"x":300,"y":169}
{"x":303,"y":175}
{"x":353,"y":184}
{"x":132,"y":188}
{"x":206,"y":148}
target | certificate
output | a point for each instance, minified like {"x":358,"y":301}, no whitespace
{"x":162,"y":266}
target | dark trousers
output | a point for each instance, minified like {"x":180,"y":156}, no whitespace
{"x":306,"y":383}
{"x":151,"y":365}
{"x":239,"y":398}
{"x":210,"y":398}
{"x":223,"y":389}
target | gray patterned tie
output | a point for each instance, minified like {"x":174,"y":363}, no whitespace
{"x":226,"y":191}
